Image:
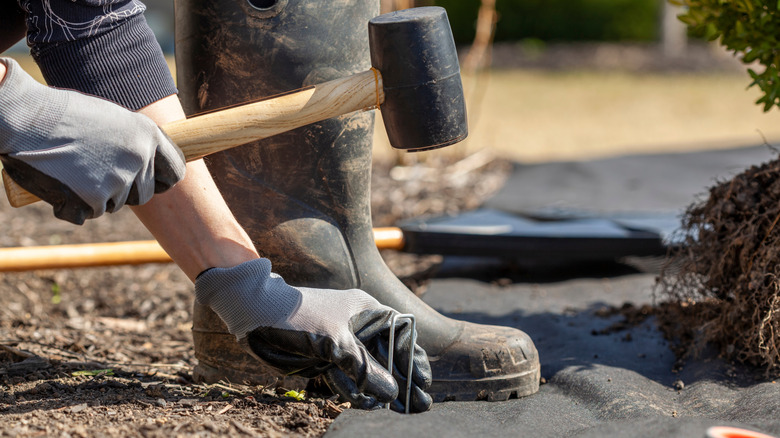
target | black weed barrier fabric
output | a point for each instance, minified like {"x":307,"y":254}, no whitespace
{"x":607,"y":372}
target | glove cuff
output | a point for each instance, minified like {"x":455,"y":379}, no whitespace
{"x":21,"y":101}
{"x":247,"y":296}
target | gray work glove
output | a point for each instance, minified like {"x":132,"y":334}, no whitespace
{"x":311,"y":332}
{"x":81,"y":154}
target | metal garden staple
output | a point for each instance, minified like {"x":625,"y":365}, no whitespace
{"x":391,"y":348}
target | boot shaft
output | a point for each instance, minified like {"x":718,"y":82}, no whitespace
{"x":303,"y":196}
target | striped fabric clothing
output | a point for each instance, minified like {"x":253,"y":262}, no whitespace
{"x":100,"y":47}
{"x":51,"y":21}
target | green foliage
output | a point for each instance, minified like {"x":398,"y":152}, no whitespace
{"x":749,"y":28}
{"x":569,"y":20}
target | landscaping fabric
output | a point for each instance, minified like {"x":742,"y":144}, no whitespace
{"x":607,"y":368}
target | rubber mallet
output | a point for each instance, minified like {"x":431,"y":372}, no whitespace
{"x":415,"y":81}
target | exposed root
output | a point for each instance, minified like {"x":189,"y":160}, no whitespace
{"x":724,"y":288}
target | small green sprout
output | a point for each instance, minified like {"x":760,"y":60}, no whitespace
{"x":295,"y":394}
{"x":56,"y":296}
{"x":105,"y":372}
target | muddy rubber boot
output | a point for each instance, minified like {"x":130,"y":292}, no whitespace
{"x":304,"y":196}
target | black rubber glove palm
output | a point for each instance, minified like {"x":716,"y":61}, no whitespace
{"x":342,"y":334}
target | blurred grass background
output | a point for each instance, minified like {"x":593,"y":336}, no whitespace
{"x":535,"y":116}
{"x":577,"y":110}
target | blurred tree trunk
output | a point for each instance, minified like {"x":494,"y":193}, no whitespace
{"x":674,"y":33}
{"x":480,"y":52}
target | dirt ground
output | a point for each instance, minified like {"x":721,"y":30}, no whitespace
{"x":133,"y":324}
{"x":108,"y":351}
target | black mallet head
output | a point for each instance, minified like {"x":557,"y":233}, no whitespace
{"x":414,"y":51}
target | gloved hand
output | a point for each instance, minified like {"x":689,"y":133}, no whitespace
{"x":81,"y":154}
{"x":309,"y":332}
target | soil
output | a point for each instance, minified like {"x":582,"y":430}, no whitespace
{"x":108,"y":351}
{"x":722,"y":286}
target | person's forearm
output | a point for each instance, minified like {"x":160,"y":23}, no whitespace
{"x":120,"y":60}
{"x":191,"y":221}
{"x":2,"y":71}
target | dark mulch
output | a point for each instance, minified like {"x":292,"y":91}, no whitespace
{"x":134,"y":322}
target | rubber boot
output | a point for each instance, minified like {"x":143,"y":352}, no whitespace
{"x":303,"y":196}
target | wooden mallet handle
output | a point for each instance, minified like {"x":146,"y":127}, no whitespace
{"x":216,"y":131}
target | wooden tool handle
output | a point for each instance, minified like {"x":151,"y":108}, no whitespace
{"x":123,"y":253}
{"x":216,"y":131}
{"x":81,"y":255}
{"x":389,"y":238}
